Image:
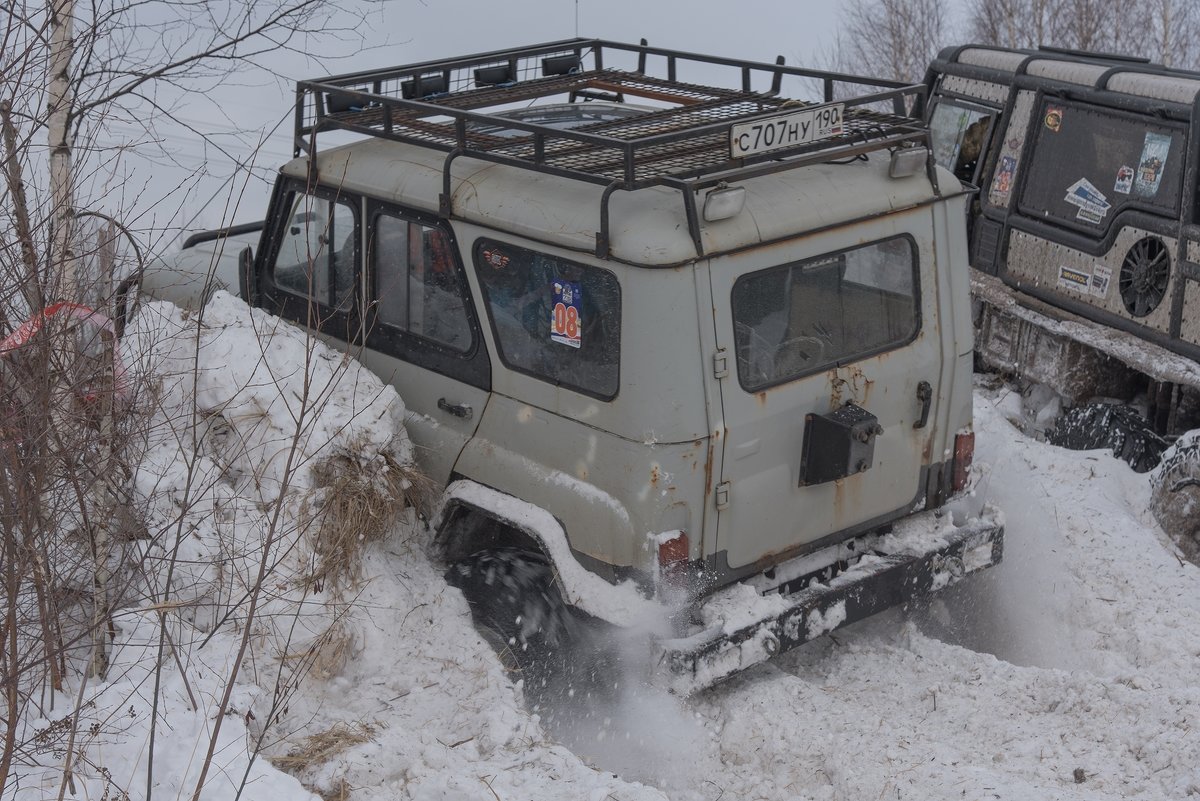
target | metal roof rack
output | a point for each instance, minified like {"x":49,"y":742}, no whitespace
{"x":458,"y":106}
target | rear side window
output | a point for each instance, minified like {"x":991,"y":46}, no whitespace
{"x":804,"y":317}
{"x":1088,"y":163}
{"x":553,"y":319}
{"x":959,"y":134}
{"x":318,"y":251}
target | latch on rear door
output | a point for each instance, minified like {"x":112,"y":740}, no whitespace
{"x":720,"y":363}
{"x":722,"y":496}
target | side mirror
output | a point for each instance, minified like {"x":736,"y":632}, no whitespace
{"x":247,"y":283}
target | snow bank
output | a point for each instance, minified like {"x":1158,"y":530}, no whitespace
{"x":241,"y":412}
{"x":229,"y":484}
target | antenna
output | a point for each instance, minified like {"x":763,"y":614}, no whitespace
{"x":576,"y":19}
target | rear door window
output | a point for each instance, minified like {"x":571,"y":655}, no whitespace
{"x":1089,"y":163}
{"x":556,"y":320}
{"x":801,"y":318}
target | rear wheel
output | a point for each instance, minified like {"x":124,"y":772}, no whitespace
{"x":1113,"y":426}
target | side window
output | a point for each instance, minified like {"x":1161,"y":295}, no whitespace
{"x":417,"y":285}
{"x":317,"y":253}
{"x":556,"y":320}
{"x":1087,"y":163}
{"x":959,"y":134}
{"x":800,"y":318}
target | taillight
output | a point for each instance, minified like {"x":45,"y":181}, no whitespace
{"x":674,"y":550}
{"x":964,"y":453}
{"x":673,"y":557}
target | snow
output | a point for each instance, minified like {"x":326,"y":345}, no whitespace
{"x":1068,"y":672}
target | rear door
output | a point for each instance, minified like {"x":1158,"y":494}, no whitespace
{"x":849,"y":315}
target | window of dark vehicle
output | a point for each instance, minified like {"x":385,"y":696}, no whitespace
{"x":1088,"y":163}
{"x":318,"y":250}
{"x":556,"y":320}
{"x":417,"y":287}
{"x":803,"y":317}
{"x":959,"y":133}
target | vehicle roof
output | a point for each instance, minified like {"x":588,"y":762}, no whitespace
{"x":1122,"y":75}
{"x":648,"y":226}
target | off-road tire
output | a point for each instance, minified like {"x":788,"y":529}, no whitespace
{"x":1112,"y":426}
{"x":1175,"y":494}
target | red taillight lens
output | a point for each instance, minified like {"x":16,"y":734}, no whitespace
{"x":964,"y":453}
{"x":673,"y":556}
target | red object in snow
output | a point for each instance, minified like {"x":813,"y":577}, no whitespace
{"x":90,"y":320}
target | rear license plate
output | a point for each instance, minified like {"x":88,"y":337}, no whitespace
{"x":787,"y":130}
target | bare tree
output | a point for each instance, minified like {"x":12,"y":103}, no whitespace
{"x":893,"y":39}
{"x":1167,"y":31}
{"x":75,"y":69}
{"x":68,"y":72}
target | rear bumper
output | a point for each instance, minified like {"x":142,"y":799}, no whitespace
{"x":925,"y":553}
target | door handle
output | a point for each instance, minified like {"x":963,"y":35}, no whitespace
{"x":457,"y":409}
{"x":925,"y":396}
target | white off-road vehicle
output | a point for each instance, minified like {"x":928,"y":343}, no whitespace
{"x":1086,"y":243}
{"x":667,"y":336}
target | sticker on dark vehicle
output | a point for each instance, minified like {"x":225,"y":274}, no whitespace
{"x":1054,"y":118}
{"x":1151,"y":164}
{"x":1093,"y":205}
{"x":1071,"y":278}
{"x":1004,"y":176}
{"x":1124,"y":180}
{"x":1101,"y":277}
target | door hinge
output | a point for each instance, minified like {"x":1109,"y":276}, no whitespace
{"x":720,"y":363}
{"x":722,"y":496}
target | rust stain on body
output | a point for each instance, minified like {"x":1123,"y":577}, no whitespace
{"x":708,"y":467}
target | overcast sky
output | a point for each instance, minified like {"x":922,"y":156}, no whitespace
{"x":406,"y":31}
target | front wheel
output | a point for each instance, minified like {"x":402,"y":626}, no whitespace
{"x":1175,"y":494}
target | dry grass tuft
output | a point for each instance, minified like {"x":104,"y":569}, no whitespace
{"x":332,"y":652}
{"x":357,"y":503}
{"x":316,"y":749}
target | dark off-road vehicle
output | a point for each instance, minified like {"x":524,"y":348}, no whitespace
{"x":1085,"y":239}
{"x":669,"y":338}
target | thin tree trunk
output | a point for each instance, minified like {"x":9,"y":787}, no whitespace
{"x":30,"y":285}
{"x":62,"y":255}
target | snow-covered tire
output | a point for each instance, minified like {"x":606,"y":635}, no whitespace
{"x":1175,"y":493}
{"x":518,"y":610}
{"x":1112,"y":426}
